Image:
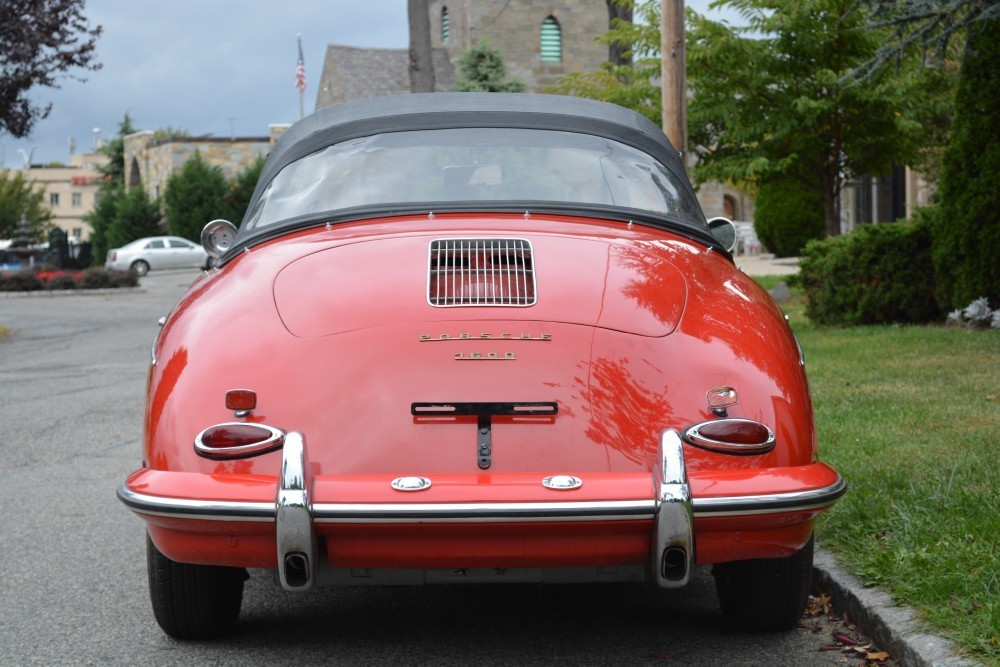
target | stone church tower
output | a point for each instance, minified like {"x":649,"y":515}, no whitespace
{"x":541,"y":40}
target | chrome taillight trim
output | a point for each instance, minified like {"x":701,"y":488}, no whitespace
{"x":274,"y":441}
{"x":518,"y":285}
{"x":692,"y":434}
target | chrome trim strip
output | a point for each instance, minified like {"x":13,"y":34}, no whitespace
{"x":218,"y":510}
{"x":188,"y":508}
{"x":773,"y":503}
{"x":152,"y":348}
{"x":602,"y":510}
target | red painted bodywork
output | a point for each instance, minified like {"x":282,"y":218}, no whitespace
{"x":631,"y":327}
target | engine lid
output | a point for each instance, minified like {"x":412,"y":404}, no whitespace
{"x":553,"y":278}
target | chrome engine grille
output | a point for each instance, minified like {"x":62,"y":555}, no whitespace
{"x":481,"y":272}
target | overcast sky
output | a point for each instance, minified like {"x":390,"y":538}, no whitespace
{"x":204,"y":66}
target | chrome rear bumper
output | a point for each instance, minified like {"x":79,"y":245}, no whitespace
{"x":296,"y":512}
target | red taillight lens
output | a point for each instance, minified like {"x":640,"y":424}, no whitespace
{"x":237,"y":440}
{"x":733,"y":436}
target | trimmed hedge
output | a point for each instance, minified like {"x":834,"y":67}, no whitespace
{"x":787,"y":216}
{"x":22,"y":281}
{"x":877,"y":274}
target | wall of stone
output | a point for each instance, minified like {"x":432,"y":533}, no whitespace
{"x":514,"y":27}
{"x":150,"y":162}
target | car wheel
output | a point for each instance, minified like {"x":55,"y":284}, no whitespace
{"x":767,"y":594}
{"x":193,"y":601}
{"x":140,"y":266}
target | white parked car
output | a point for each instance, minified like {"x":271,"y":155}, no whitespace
{"x":157,"y":252}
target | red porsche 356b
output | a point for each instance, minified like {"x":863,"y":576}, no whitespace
{"x":484,"y":338}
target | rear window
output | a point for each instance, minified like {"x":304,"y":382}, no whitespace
{"x":500,"y":166}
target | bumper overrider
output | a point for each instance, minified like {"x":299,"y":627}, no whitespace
{"x":712,"y":504}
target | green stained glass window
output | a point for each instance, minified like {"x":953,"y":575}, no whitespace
{"x":551,"y":41}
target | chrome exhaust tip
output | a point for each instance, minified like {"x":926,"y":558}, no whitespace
{"x":298,"y":571}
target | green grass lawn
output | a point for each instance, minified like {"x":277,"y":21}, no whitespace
{"x":910,"y":416}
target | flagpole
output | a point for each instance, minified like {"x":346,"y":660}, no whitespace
{"x":301,"y":86}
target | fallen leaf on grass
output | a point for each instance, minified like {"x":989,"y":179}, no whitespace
{"x":880,"y":656}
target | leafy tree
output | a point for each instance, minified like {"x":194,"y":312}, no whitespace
{"x":787,"y":215}
{"x":771,"y":98}
{"x":928,"y":24}
{"x":136,"y":216}
{"x":481,"y":70}
{"x":194,"y":196}
{"x":102,"y":218}
{"x":240,"y":191}
{"x":17,"y":198}
{"x":632,"y":81}
{"x":40,"y":40}
{"x":967,"y":230}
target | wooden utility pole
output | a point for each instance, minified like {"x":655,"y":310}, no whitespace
{"x":674,"y":85}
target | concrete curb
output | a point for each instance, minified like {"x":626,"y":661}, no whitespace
{"x":70,"y":292}
{"x":893,"y":627}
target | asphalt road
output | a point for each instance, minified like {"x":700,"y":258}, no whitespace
{"x":72,"y":558}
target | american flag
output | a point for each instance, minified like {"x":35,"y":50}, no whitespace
{"x":300,"y":71}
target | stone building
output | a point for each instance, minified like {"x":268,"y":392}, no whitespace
{"x":351,"y":72}
{"x":150,"y":160}
{"x":540,"y":40}
{"x":70,"y":191}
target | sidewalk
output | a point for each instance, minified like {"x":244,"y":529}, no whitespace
{"x":767,"y":265}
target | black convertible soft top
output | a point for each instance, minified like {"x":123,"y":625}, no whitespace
{"x":431,"y":111}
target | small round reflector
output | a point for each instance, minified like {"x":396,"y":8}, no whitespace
{"x":237,"y":440}
{"x":733,"y":436}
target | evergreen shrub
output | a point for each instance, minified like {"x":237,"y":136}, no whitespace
{"x":877,"y":274}
{"x":62,"y":281}
{"x":967,"y":232}
{"x":787,"y":215}
{"x":95,"y":278}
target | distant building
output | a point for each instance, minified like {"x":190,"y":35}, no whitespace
{"x":540,"y":40}
{"x":351,"y":73}
{"x":70,"y":191}
{"x":870,"y":199}
{"x":150,"y":161}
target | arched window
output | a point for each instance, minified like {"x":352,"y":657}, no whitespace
{"x":134,"y":177}
{"x":729,"y":207}
{"x":445,"y":25}
{"x":551,"y":41}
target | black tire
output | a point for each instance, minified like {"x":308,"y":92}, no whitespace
{"x":193,"y":601}
{"x":765,"y":595}
{"x":140,"y":266}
